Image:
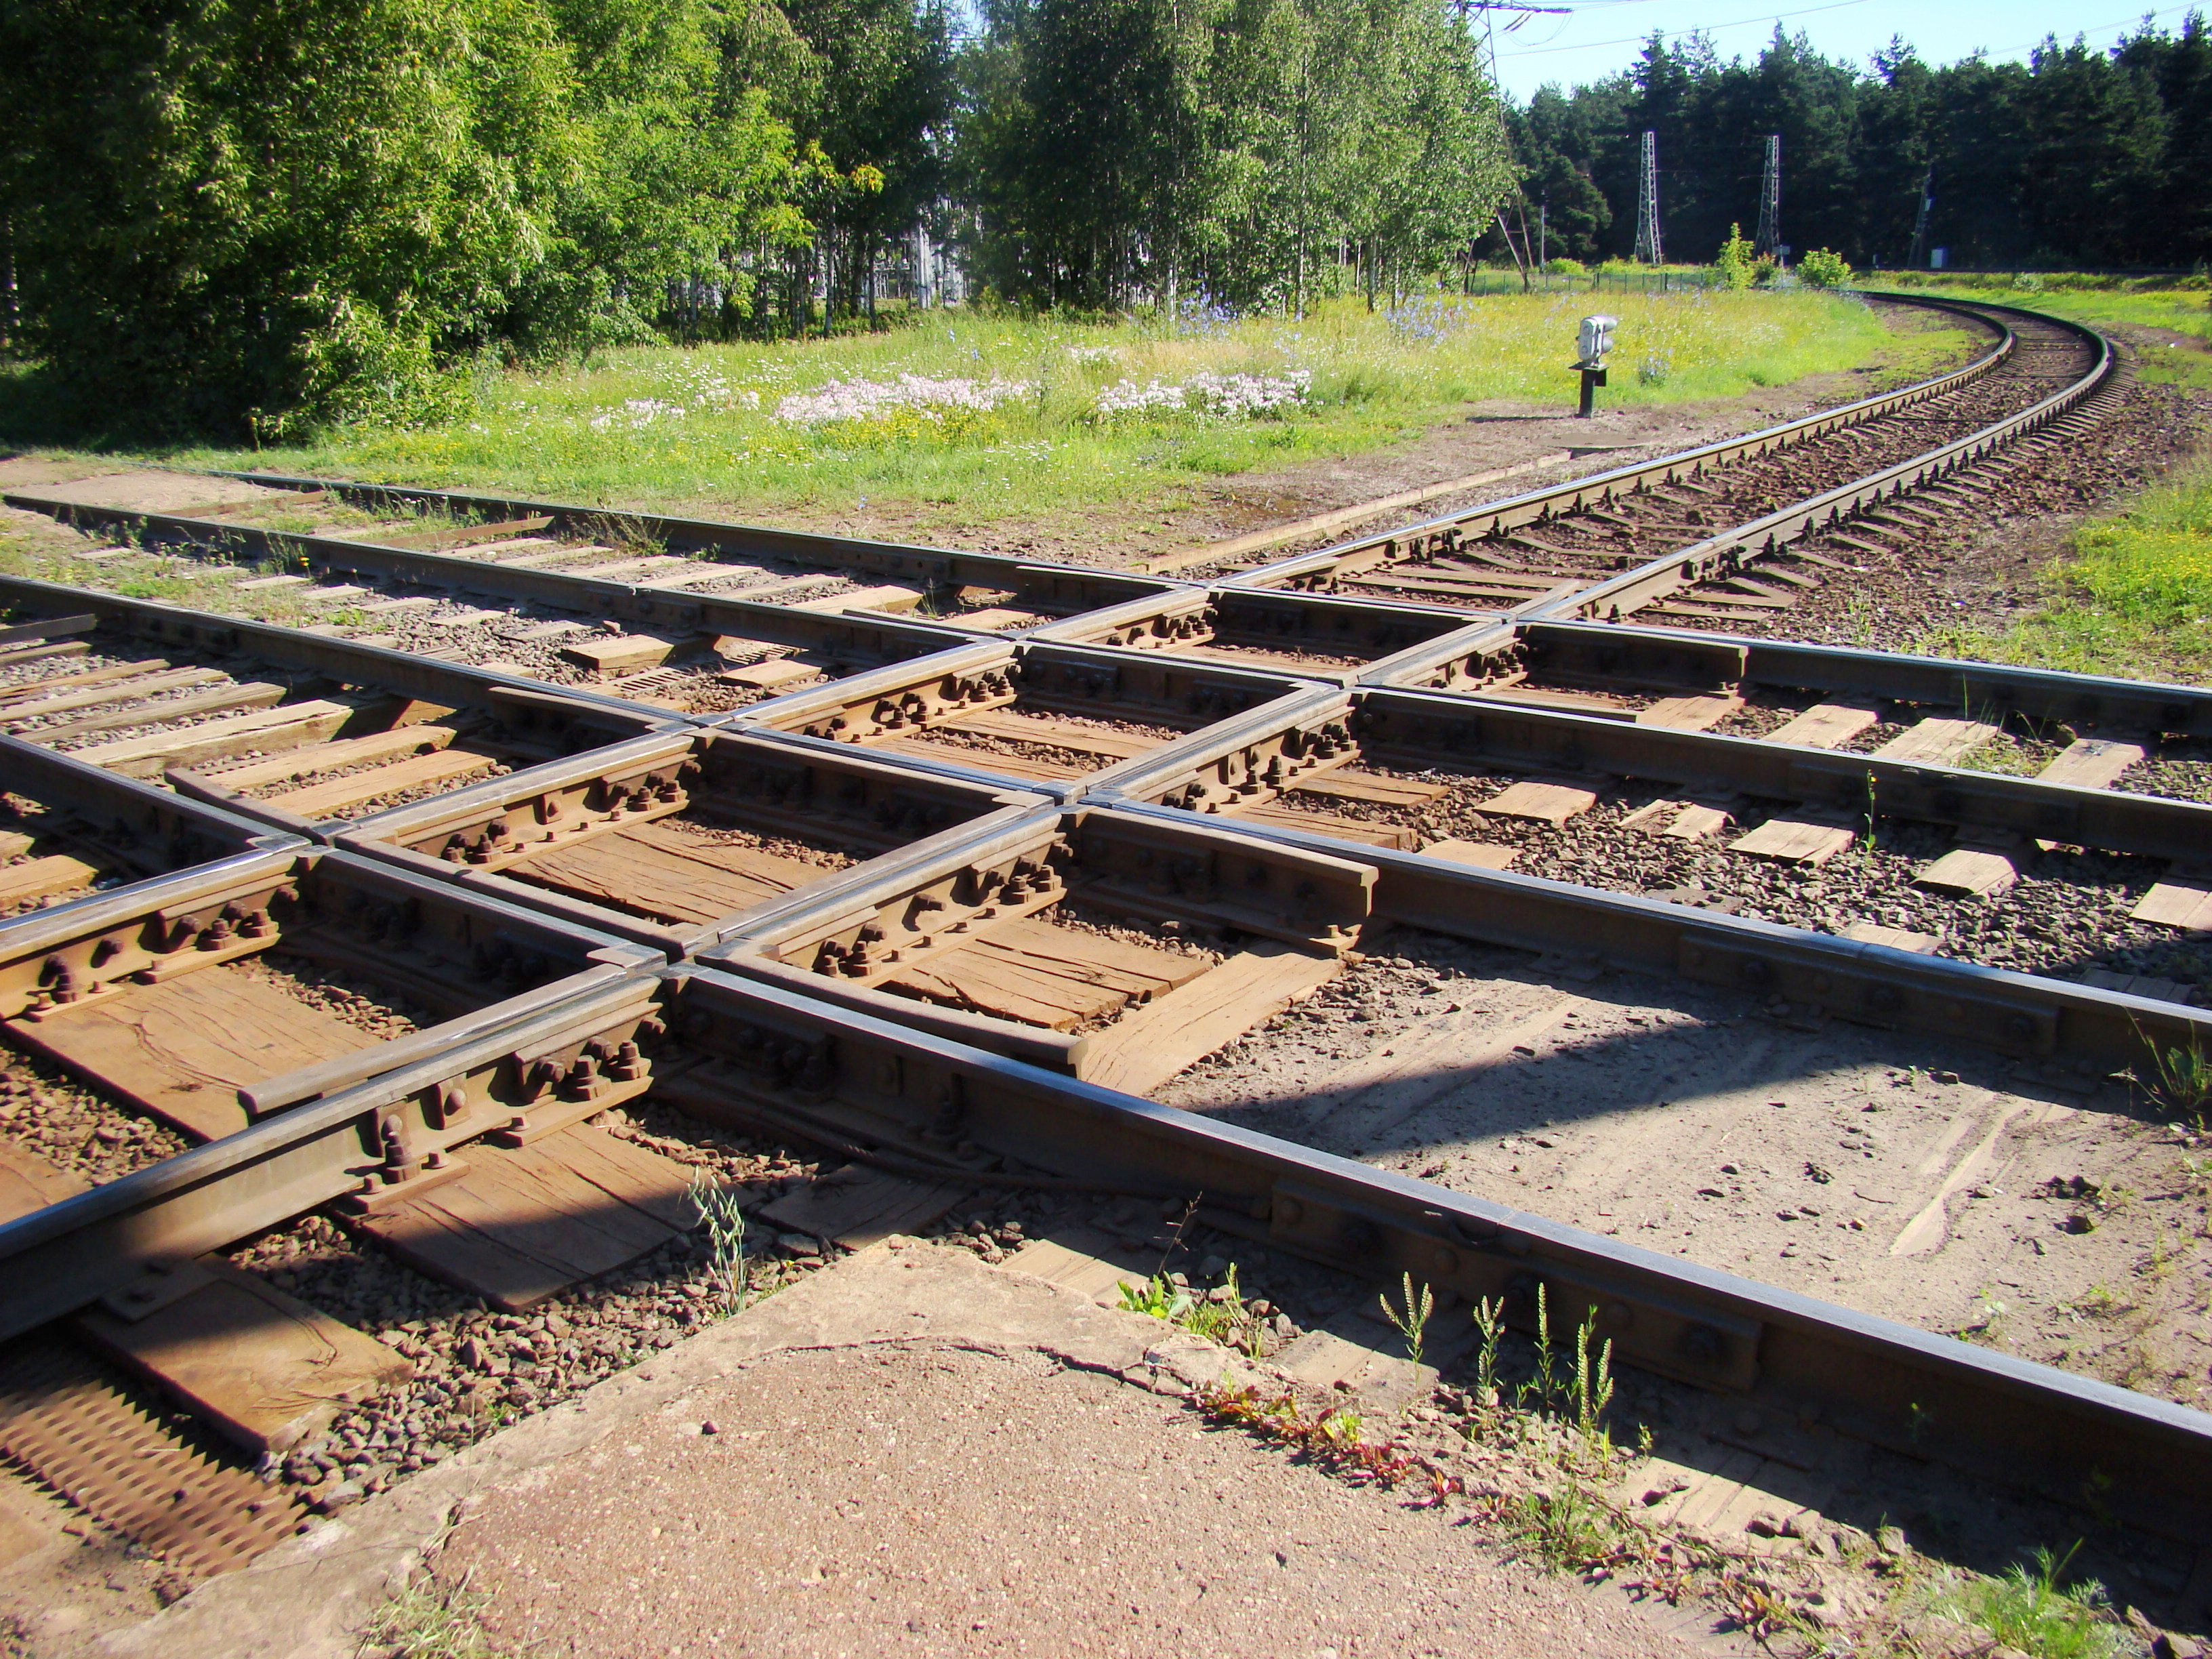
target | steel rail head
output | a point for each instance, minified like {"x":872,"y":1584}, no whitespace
{"x":1148,"y":687}
{"x":444,"y":944}
{"x":1532,"y":506}
{"x":1218,"y":765}
{"x":401,"y":672}
{"x":1070,"y":669}
{"x":947,"y":771}
{"x":1463,"y":728}
{"x":472,"y":835}
{"x":828,"y":904}
{"x":760,"y":1052}
{"x":2034,"y":1019}
{"x":1437,"y":661}
{"x":685,"y":614}
{"x":1087,"y":627}
{"x":370,"y":1138}
{"x":937,"y":565}
{"x":969,"y":658}
{"x":1694,"y":659}
{"x":1263,"y":618}
{"x":881,"y":920}
{"x":90,"y":922}
{"x":1219,"y":737}
{"x":129,"y":813}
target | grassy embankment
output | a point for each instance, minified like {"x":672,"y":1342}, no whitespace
{"x":699,"y":427}
{"x":2133,"y":597}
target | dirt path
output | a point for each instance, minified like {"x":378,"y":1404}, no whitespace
{"x":912,"y":1454}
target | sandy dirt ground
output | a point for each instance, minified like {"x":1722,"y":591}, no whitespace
{"x":2048,"y":1214}
{"x":929,"y":1500}
{"x":912,"y":1454}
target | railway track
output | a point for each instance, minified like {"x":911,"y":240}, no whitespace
{"x":1748,"y":523}
{"x":575,"y":595}
{"x":1081,"y":883}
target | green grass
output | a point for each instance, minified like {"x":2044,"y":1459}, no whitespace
{"x":2031,"y":1609}
{"x":2156,"y":303}
{"x":431,"y":1621}
{"x":2134,"y":598}
{"x":672,"y":426}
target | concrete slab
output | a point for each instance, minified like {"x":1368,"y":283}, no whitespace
{"x":910,"y":1453}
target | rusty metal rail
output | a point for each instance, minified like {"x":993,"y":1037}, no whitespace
{"x":149,"y":831}
{"x":1076,"y":586}
{"x":1290,"y":632}
{"x":1221,"y":771}
{"x":865,"y":635}
{"x":761,"y":1056}
{"x":486,"y":837}
{"x":907,"y":700}
{"x":472,"y":959}
{"x":581,"y":715}
{"x":2082,"y":1029}
{"x":1648,"y":658}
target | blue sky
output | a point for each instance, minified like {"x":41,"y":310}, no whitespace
{"x":1601,"y":36}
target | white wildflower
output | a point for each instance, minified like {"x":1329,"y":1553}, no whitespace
{"x":861,"y":399}
{"x":1227,"y":397}
{"x":1125,"y":396}
{"x":638,"y":413}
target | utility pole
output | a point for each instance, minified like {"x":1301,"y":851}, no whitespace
{"x":1648,"y":249}
{"x":1769,"y":201}
{"x":1544,"y":231}
{"x":1919,"y":249}
{"x":1485,"y":66}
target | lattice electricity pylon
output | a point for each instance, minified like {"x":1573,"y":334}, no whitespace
{"x":1648,"y":249}
{"x":1769,"y":201}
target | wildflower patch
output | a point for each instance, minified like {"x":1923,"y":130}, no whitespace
{"x":1223,"y":397}
{"x":910,"y":395}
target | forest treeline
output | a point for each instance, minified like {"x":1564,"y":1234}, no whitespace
{"x":265,"y":215}
{"x":224,"y":217}
{"x":2080,"y":158}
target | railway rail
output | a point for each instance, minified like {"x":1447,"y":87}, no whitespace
{"x":965,"y":896}
{"x":539,"y":593}
{"x":1748,"y":523}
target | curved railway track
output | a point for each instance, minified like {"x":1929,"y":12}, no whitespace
{"x":1614,"y":545}
{"x":960,"y":896}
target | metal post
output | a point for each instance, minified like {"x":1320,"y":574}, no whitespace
{"x":1594,"y":340}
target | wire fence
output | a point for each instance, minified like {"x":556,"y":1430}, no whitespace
{"x":1661,"y":280}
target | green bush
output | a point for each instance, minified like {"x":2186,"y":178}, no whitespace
{"x":1567,"y":268}
{"x":1823,"y":268}
{"x":1734,"y":262}
{"x":271,"y":219}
